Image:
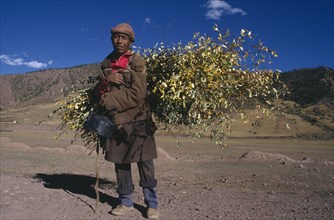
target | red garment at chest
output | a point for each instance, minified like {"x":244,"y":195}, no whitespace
{"x":115,"y":65}
{"x":121,"y":63}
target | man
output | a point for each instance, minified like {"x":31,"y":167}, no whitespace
{"x":123,"y":91}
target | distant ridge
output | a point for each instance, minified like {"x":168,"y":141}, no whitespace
{"x":307,"y":86}
{"x":44,"y":86}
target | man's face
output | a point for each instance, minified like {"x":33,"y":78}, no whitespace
{"x":120,"y":42}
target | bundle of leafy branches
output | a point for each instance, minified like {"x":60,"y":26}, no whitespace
{"x":73,"y":111}
{"x":198,"y":85}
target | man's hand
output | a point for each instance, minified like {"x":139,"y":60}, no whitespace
{"x":116,"y":78}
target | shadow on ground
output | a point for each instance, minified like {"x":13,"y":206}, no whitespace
{"x":82,"y":185}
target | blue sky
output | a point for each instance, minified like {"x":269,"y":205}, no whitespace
{"x":56,"y":34}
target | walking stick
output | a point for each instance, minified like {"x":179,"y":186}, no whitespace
{"x":97,"y":169}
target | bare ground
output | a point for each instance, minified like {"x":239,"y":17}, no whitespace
{"x":254,"y":178}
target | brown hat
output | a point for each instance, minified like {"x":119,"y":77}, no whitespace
{"x":124,"y":28}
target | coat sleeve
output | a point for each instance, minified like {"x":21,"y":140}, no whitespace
{"x":133,"y":92}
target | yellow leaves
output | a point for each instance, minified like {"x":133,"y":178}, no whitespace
{"x":215,"y":27}
{"x":244,"y":117}
{"x":195,"y":35}
{"x":73,"y":110}
{"x":201,"y":83}
{"x":164,"y":84}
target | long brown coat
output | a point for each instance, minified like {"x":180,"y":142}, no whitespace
{"x":134,"y":139}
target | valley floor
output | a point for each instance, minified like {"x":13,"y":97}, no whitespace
{"x":272,"y":178}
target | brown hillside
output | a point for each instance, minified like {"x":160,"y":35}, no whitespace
{"x":7,"y":97}
{"x":43,"y":86}
{"x":308,"y":86}
{"x":311,"y":91}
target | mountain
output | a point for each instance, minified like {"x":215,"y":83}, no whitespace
{"x":310,"y":102}
{"x":307,"y":86}
{"x":44,"y":86}
{"x":311,"y":96}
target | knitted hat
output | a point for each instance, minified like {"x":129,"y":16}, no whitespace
{"x":124,"y":28}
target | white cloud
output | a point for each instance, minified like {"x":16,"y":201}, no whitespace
{"x":11,"y":61}
{"x":214,"y":14}
{"x":35,"y":64}
{"x":216,"y":8}
{"x":147,"y":21}
{"x":6,"y":59}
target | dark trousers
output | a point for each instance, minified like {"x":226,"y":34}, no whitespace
{"x":147,"y":182}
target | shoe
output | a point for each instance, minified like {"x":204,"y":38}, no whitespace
{"x":121,"y":210}
{"x":152,"y":213}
